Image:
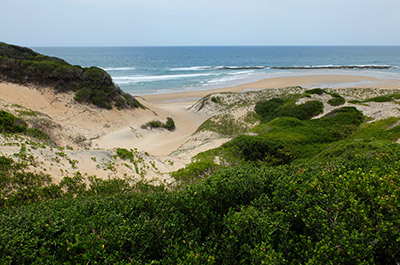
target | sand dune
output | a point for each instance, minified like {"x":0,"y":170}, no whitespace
{"x":92,"y":135}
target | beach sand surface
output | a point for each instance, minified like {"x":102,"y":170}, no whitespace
{"x":308,"y":81}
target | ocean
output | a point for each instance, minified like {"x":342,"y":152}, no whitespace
{"x":154,"y":70}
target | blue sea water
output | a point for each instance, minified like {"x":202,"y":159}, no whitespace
{"x":149,"y":70}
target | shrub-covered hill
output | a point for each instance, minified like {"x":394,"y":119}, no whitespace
{"x":91,"y":85}
{"x":297,"y":189}
{"x":339,"y":212}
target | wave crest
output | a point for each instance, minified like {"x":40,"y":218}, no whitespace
{"x":119,"y":68}
{"x":332,"y":67}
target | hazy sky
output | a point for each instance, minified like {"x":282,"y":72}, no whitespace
{"x":201,"y":22}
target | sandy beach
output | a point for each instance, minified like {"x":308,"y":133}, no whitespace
{"x":308,"y":81}
{"x":93,"y":134}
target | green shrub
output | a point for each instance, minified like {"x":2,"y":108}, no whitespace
{"x":336,"y":100}
{"x":38,"y":134}
{"x":124,"y":154}
{"x":100,"y":99}
{"x":317,"y":91}
{"x":73,"y":186}
{"x":155,"y":124}
{"x":11,"y":124}
{"x":27,"y":113}
{"x":82,"y":95}
{"x":258,"y":148}
{"x":169,"y":125}
{"x":303,"y":111}
{"x":344,"y":116}
{"x":216,"y":100}
{"x":383,"y":98}
{"x":274,"y":108}
{"x":267,"y":108}
{"x":5,"y":163}
{"x":194,"y":172}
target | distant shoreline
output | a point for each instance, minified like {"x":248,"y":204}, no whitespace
{"x":308,"y":81}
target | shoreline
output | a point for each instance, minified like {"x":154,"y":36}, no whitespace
{"x":306,"y":80}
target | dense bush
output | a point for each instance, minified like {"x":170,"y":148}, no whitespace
{"x":194,"y":172}
{"x":317,"y":91}
{"x":334,"y":213}
{"x":267,"y":108}
{"x":259,"y":148}
{"x":383,"y":98}
{"x":11,"y":124}
{"x":91,"y":85}
{"x":303,"y":111}
{"x":288,"y":139}
{"x":274,"y":108}
{"x":336,"y":100}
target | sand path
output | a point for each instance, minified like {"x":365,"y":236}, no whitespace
{"x":157,"y":142}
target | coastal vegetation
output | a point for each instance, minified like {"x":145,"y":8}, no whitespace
{"x":11,"y":124}
{"x":293,"y":189}
{"x":336,"y":100}
{"x":90,"y":85}
{"x":168,"y":125}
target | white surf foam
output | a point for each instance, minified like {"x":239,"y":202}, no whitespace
{"x":119,"y":68}
{"x":138,"y":79}
{"x":192,"y":68}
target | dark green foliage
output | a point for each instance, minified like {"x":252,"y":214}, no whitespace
{"x":285,"y":139}
{"x":274,"y":108}
{"x":11,"y":124}
{"x":124,"y":154}
{"x":332,"y":213}
{"x":194,"y":172}
{"x":344,"y":116}
{"x":216,"y":100}
{"x":38,"y":134}
{"x":317,"y":91}
{"x":259,"y":148}
{"x":83,"y":95}
{"x":169,"y":125}
{"x":267,"y":108}
{"x":303,"y":111}
{"x":18,"y":187}
{"x":356,"y":102}
{"x":336,"y":100}
{"x":91,"y":85}
{"x":384,"y":98}
{"x":73,"y":186}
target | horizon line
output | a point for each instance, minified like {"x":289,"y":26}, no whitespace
{"x":171,"y":46}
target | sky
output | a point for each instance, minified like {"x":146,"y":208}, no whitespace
{"x":201,"y":22}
